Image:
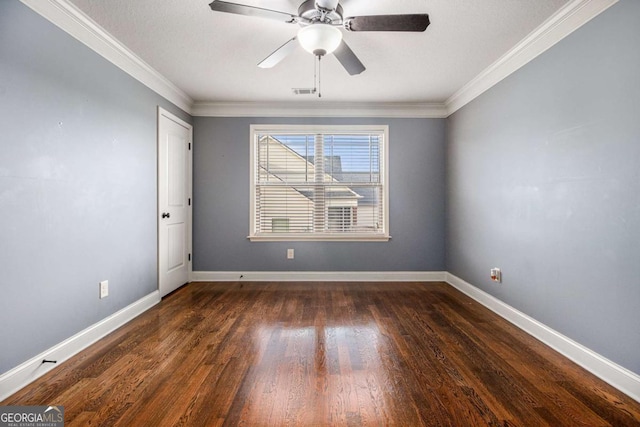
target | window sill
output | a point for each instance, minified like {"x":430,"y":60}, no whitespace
{"x":319,"y":238}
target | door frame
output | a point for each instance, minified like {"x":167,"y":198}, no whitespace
{"x":162,"y":113}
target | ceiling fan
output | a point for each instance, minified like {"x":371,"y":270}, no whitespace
{"x":319,"y":33}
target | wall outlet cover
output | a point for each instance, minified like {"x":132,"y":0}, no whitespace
{"x":104,"y":289}
{"x":496,"y":275}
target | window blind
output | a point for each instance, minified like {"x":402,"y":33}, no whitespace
{"x":319,"y":183}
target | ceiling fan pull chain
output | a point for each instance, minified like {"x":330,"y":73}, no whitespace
{"x":319,"y":75}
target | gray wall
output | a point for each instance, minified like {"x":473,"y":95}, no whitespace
{"x":77,"y":185}
{"x":543,"y":180}
{"x":221,"y":203}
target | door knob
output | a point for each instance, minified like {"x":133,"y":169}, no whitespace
{"x":166,"y":215}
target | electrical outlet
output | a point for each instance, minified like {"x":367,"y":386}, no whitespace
{"x":496,"y":275}
{"x":290,"y":254}
{"x":104,"y":289}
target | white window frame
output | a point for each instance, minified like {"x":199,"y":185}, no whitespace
{"x":296,"y":129}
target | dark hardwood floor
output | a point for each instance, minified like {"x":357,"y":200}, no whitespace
{"x":324,"y":354}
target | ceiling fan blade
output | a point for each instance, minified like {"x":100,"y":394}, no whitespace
{"x":279,"y":54}
{"x":348,"y":59}
{"x":241,"y":9}
{"x":414,"y":23}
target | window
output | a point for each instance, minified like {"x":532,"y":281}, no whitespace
{"x":319,"y":183}
{"x":340,"y":218}
{"x":280,"y":225}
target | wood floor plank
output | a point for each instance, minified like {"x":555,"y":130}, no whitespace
{"x":324,"y":354}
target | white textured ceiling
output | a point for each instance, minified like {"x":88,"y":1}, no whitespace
{"x":212,"y":56}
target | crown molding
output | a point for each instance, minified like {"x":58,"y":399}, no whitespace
{"x":73,"y":21}
{"x":568,"y":19}
{"x":320,"y":109}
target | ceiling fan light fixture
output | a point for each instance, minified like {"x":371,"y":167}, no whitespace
{"x":319,"y":39}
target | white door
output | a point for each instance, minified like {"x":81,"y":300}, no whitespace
{"x":174,"y":202}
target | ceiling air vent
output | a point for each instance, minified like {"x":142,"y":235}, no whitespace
{"x":303,"y":91}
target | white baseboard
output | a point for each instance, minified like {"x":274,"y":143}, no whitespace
{"x":318,"y":276}
{"x":18,"y":377}
{"x":610,"y":372}
{"x":624,"y":380}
